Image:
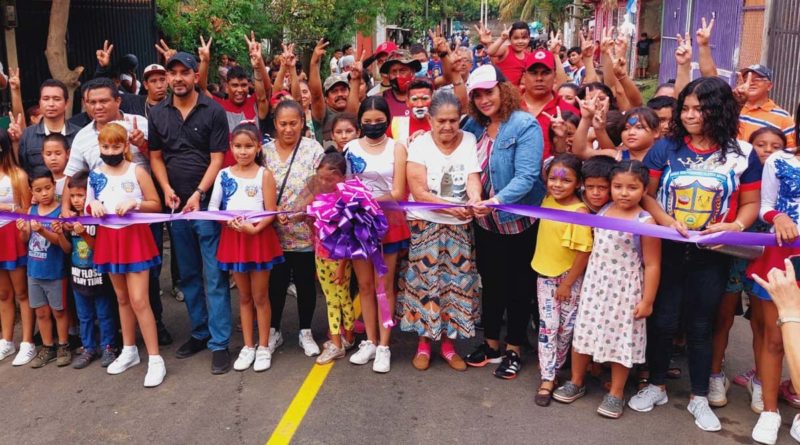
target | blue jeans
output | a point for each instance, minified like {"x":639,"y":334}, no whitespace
{"x":209,"y":308}
{"x":100,"y":308}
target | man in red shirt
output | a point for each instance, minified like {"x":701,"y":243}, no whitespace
{"x":540,"y":99}
{"x":400,"y":67}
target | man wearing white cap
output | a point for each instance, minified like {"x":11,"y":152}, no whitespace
{"x":759,"y":110}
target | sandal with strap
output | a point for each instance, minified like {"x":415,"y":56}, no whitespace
{"x":544,"y":395}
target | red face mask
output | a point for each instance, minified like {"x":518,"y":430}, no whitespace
{"x":401,"y":84}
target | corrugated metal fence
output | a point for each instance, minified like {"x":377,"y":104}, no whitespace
{"x":129,"y":24}
{"x":784,"y":52}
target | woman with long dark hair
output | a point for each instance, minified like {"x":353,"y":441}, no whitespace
{"x":704,"y":179}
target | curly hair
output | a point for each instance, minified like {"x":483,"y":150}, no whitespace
{"x":509,"y":103}
{"x":720,"y":114}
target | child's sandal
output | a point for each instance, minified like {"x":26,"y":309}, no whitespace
{"x":544,"y":395}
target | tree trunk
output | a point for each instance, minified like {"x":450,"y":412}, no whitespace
{"x":56,"y":51}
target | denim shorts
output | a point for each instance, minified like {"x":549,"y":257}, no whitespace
{"x":46,"y":292}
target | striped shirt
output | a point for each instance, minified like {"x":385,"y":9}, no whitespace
{"x":769,"y":114}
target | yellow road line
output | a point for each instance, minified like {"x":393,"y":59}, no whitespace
{"x":297,"y":409}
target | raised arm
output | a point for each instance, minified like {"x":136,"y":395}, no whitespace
{"x":629,"y":88}
{"x":16,"y":97}
{"x":683,"y":56}
{"x":356,"y":78}
{"x":554,"y":45}
{"x":315,"y":81}
{"x":204,"y":53}
{"x":261,"y":81}
{"x":587,"y":54}
{"x":704,"y":57}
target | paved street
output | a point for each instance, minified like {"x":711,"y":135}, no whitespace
{"x":354,"y":405}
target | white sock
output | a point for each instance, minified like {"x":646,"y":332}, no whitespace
{"x":155,"y":359}
{"x":128,"y":349}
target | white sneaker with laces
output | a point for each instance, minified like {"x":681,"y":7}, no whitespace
{"x":306,"y":340}
{"x":7,"y":348}
{"x":156,"y":371}
{"x":795,"y":431}
{"x":27,"y":351}
{"x":275,"y":340}
{"x":718,"y":391}
{"x":365,"y":353}
{"x":645,"y":400}
{"x":263,"y":359}
{"x":704,"y":418}
{"x":756,"y":397}
{"x":128,"y":358}
{"x":766,"y":429}
{"x":346,"y":344}
{"x":383,"y":360}
{"x":246,"y":358}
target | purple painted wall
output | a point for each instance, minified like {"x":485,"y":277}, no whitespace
{"x":673,"y":22}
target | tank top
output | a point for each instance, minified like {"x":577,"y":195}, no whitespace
{"x":376,"y":171}
{"x":234,"y":193}
{"x":45,"y":260}
{"x":6,"y":194}
{"x":112,"y":190}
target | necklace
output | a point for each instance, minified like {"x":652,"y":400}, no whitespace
{"x":380,"y":142}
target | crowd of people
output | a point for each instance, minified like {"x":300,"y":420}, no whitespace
{"x":506,"y":122}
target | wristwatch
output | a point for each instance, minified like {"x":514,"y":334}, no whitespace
{"x":201,"y":193}
{"x":783,"y":320}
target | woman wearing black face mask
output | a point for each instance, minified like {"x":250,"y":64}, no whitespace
{"x":380,"y":163}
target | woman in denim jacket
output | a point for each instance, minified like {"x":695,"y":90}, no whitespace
{"x":510,"y":147}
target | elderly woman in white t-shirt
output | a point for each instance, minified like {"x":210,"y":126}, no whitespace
{"x":441,"y":289}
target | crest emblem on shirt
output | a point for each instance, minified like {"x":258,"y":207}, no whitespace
{"x":128,"y":187}
{"x":695,"y":204}
{"x":251,"y":191}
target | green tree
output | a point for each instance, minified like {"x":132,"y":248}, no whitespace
{"x":549,"y":12}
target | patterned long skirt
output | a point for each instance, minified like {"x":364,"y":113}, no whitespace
{"x":441,"y":286}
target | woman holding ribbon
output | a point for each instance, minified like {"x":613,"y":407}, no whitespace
{"x":441,"y":293}
{"x":703,"y":179}
{"x":510,"y":147}
{"x":293,"y":160}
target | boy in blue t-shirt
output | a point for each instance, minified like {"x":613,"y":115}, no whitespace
{"x":46,"y":249}
{"x":93,"y":292}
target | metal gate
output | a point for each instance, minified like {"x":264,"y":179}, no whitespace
{"x":784,"y":52}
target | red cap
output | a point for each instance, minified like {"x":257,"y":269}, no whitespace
{"x":386,"y":47}
{"x":543,"y":57}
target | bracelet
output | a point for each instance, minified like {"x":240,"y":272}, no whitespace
{"x":783,"y":320}
{"x":739,"y":223}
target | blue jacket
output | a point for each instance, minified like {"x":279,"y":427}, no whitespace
{"x":515,"y":162}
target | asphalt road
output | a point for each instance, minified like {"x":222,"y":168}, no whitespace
{"x":354,"y":405}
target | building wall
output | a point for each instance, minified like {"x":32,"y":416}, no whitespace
{"x":650,"y":22}
{"x":752,"y":33}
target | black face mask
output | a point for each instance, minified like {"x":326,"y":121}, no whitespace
{"x":113,"y":160}
{"x":375,"y":131}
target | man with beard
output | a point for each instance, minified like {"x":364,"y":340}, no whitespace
{"x":539,"y":99}
{"x":239,"y":104}
{"x":405,"y":129}
{"x":188,"y":140}
{"x":400,"y":69}
{"x":340,"y":93}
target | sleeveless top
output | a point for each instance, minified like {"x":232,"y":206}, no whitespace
{"x":234,"y":193}
{"x":376,"y":171}
{"x":6,"y":194}
{"x":112,"y":190}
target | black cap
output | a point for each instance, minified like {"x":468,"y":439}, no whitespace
{"x":184,"y":59}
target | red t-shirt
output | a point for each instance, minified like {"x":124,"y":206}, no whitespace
{"x":396,"y":107}
{"x":512,"y":67}
{"x":544,"y":121}
{"x":236,"y":114}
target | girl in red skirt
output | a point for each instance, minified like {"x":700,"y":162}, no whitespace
{"x":126,"y":251}
{"x":15,"y":197}
{"x":248,"y":249}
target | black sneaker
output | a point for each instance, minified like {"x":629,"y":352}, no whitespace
{"x":108,"y":357}
{"x":191,"y":347}
{"x":482,"y":356}
{"x":220,"y":361}
{"x":509,"y":367}
{"x":164,"y":337}
{"x":83,"y":360}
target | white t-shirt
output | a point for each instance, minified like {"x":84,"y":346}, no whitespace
{"x":447,"y":174}
{"x":85,"y":151}
{"x":376,"y":171}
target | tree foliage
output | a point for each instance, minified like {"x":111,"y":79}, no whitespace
{"x":549,"y":12}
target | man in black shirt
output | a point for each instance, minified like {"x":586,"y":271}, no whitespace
{"x":643,"y":54}
{"x":188,"y":138}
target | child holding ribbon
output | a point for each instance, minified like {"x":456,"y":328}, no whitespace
{"x":248,"y":249}
{"x":617,"y":294}
{"x":126,"y":251}
{"x":562,"y":252}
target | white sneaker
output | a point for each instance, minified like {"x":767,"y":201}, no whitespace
{"x":718,"y":391}
{"x":766,"y":429}
{"x":27,"y":351}
{"x":346,"y":345}
{"x":704,"y":418}
{"x":263,"y":359}
{"x":7,"y":348}
{"x":156,"y":371}
{"x":795,"y":431}
{"x":756,"y":397}
{"x":128,"y":358}
{"x":306,"y":340}
{"x":649,"y":397}
{"x":246,"y":358}
{"x":275,"y":340}
{"x":365,"y":353}
{"x":383,"y":359}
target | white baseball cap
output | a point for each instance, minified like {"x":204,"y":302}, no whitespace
{"x":485,"y":77}
{"x":153,"y":68}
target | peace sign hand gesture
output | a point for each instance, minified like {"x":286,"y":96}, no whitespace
{"x":13,"y":78}
{"x":288,"y":57}
{"x":607,"y":41}
{"x":204,"y":50}
{"x":254,"y":50}
{"x":703,"y":34}
{"x":439,"y":43}
{"x":587,"y":46}
{"x":104,"y":54}
{"x":319,"y":50}
{"x":506,"y":34}
{"x":554,"y":44}
{"x":742,"y":86}
{"x":165,"y":51}
{"x":484,"y":34}
{"x":15,"y":127}
{"x":357,"y":69}
{"x":588,"y":106}
{"x":557,"y":123}
{"x":683,"y":54}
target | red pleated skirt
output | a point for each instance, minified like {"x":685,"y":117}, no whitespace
{"x":127,"y":249}
{"x":240,"y":252}
{"x":13,"y":253}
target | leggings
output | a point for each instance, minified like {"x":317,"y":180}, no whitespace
{"x":298,"y":268}
{"x":337,"y":296}
{"x":556,"y":323}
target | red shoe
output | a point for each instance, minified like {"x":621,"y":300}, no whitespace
{"x":785,"y":392}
